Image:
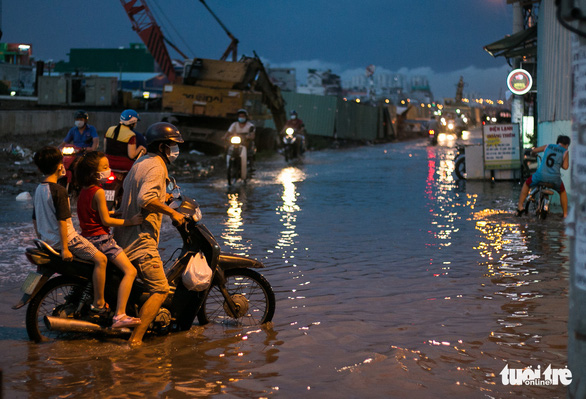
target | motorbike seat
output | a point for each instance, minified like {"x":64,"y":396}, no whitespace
{"x":42,"y":245}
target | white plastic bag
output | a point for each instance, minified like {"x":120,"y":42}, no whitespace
{"x":197,"y":276}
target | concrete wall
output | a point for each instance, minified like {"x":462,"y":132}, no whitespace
{"x":38,"y":123}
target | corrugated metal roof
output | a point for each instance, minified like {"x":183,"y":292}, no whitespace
{"x":554,"y":69}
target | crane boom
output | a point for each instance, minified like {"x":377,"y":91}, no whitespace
{"x":233,"y":47}
{"x":149,"y":31}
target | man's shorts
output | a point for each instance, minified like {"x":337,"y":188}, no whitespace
{"x":144,"y":255}
{"x":82,"y":248}
{"x":106,"y":245}
{"x":560,"y":188}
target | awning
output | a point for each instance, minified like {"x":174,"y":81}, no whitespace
{"x":520,"y":44}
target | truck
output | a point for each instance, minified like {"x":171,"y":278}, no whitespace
{"x":203,"y":99}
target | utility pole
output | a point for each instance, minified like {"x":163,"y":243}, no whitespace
{"x":577,"y":225}
{"x":517,"y":104}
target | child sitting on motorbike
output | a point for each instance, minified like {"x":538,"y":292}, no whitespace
{"x":52,"y":220}
{"x":95,"y":220}
{"x":556,"y":156}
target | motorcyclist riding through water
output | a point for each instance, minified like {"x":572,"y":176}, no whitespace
{"x":246,"y":130}
{"x":145,"y":193}
{"x":299,"y":130}
{"x":121,"y":143}
{"x":82,"y":135}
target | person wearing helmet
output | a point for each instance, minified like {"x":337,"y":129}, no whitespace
{"x":82,"y":135}
{"x":145,"y":193}
{"x":245,"y":129}
{"x":299,"y":127}
{"x":121,"y":142}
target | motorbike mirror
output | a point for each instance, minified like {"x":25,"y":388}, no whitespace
{"x":172,"y":185}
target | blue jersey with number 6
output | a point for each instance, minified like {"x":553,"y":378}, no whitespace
{"x":549,"y":169}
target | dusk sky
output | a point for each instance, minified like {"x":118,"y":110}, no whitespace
{"x":439,"y":39}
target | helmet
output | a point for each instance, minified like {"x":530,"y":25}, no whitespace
{"x":293,"y":112}
{"x":81,"y":114}
{"x":242,"y":111}
{"x":162,"y":131}
{"x":129,"y":117}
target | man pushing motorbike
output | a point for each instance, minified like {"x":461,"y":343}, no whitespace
{"x":145,"y":193}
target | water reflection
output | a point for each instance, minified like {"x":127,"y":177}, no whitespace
{"x":232,"y":234}
{"x":287,"y":211}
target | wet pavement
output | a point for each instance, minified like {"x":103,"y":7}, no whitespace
{"x":392,"y":279}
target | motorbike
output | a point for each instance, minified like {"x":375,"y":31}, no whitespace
{"x":292,"y":144}
{"x":70,"y":154}
{"x":539,"y":198}
{"x":59,"y":294}
{"x":432,"y":134}
{"x":113,"y":188}
{"x":460,"y":162}
{"x":237,"y":160}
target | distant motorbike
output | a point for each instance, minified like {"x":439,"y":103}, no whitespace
{"x":432,"y":135}
{"x":237,"y":162}
{"x":292,"y":144}
{"x":529,"y":164}
{"x":70,"y":154}
{"x":59,"y":293}
{"x":113,"y":188}
{"x":449,"y":126}
{"x":460,"y":162}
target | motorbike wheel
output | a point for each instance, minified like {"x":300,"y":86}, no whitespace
{"x":251,"y":292}
{"x":233,"y":171}
{"x":541,"y":212}
{"x":57,"y":298}
{"x":460,"y":168}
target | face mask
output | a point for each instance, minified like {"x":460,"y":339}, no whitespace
{"x":104,"y":175}
{"x":241,"y":120}
{"x":173,"y":152}
{"x":293,"y":116}
{"x":79,"y":124}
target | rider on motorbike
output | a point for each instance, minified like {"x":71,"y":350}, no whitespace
{"x":145,"y":193}
{"x":82,"y":135}
{"x":296,"y":124}
{"x":556,"y":156}
{"x":246,"y":130}
{"x":121,"y":143}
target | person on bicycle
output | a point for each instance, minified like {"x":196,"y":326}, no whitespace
{"x":555,"y":156}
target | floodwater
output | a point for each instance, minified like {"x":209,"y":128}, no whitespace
{"x":392,"y":280}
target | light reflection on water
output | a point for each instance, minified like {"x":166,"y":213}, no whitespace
{"x":392,"y":280}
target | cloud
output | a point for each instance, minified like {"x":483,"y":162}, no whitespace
{"x":478,"y":82}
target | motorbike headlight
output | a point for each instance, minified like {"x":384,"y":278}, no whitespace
{"x":68,"y":150}
{"x":290,"y":131}
{"x":450,"y":126}
{"x":235,"y":140}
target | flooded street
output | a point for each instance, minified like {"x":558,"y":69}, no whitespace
{"x":392,"y":280}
